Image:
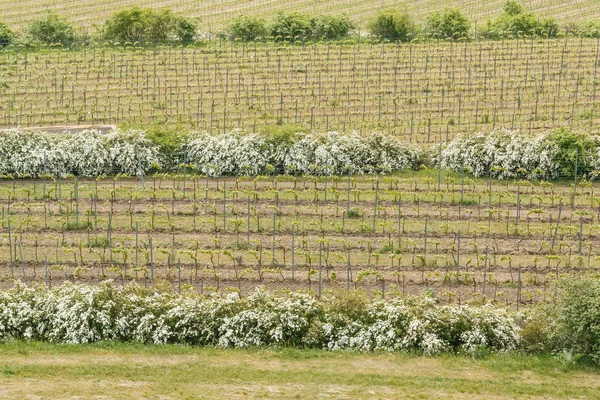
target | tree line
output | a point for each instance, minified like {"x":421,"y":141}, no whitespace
{"x":143,"y":25}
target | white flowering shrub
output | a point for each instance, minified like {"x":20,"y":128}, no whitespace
{"x":86,"y":153}
{"x":511,"y":154}
{"x":332,"y":153}
{"x":507,"y":153}
{"x":392,"y":154}
{"x":84,"y":314}
{"x":233,"y":153}
{"x":129,"y":151}
{"x":419,"y":325}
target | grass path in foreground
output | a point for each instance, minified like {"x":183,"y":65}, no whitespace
{"x":120,"y":371}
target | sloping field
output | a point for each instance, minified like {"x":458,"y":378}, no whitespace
{"x":421,"y":92}
{"x":216,"y":14}
{"x":468,"y":243}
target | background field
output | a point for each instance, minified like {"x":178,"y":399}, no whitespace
{"x":214,"y":15}
{"x":424,"y":93}
{"x":133,"y":371}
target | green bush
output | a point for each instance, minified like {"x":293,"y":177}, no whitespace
{"x":185,"y":29}
{"x":589,"y":29}
{"x":147,"y":25}
{"x":278,"y":135}
{"x":536,"y":329}
{"x":391,"y":25}
{"x":517,"y":21}
{"x":547,"y":27}
{"x":331,"y":27}
{"x":571,"y":327}
{"x":513,"y":8}
{"x":579,"y":317}
{"x":51,"y":29}
{"x":169,"y":140}
{"x":247,"y":28}
{"x":449,"y":23}
{"x":573,"y":146}
{"x":289,"y":26}
{"x":6,"y":35}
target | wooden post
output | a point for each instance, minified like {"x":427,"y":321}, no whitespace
{"x":326,"y":173}
{"x":485,"y":263}
{"x":248,"y":222}
{"x":348,"y":194}
{"x":137,"y":248}
{"x":22,"y":261}
{"x":425,"y":238}
{"x":178,"y":275}
{"x":320,"y":268}
{"x":140,"y":169}
{"x":44,"y":194}
{"x":580,"y":233}
{"x":10,"y":251}
{"x":439,"y":169}
{"x":348,"y":273}
{"x":46,"y":268}
{"x":376,"y":201}
{"x":457,"y":254}
{"x":110,"y":236}
{"x":151,"y":261}
{"x":557,"y":223}
{"x":519,"y":288}
{"x":224,"y":205}
{"x":273,"y":239}
{"x":293,"y":249}
{"x":95,"y":211}
{"x":184,"y":171}
{"x":399,"y":226}
{"x":76,"y":203}
{"x":518,"y":207}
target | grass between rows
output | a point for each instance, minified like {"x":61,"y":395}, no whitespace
{"x":119,"y":371}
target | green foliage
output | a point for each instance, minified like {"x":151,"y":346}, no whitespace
{"x":282,"y":134}
{"x":513,"y":8}
{"x":352,"y":304}
{"x":169,"y":140}
{"x":290,"y":26}
{"x":536,"y":329}
{"x":448,"y":23}
{"x":247,"y":28}
{"x":147,"y":25}
{"x":517,"y":21}
{"x":589,"y":29}
{"x":51,"y":29}
{"x":6,"y":35}
{"x":391,"y":25}
{"x":547,"y":27}
{"x":185,"y":29}
{"x":353,"y":213}
{"x":573,"y":146}
{"x":332,"y":27}
{"x":579,"y":317}
{"x":571,"y":327}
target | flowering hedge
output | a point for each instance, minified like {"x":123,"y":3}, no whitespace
{"x":509,"y":154}
{"x":238,"y":153}
{"x":87,"y":153}
{"x":84,"y":314}
{"x":504,"y":153}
